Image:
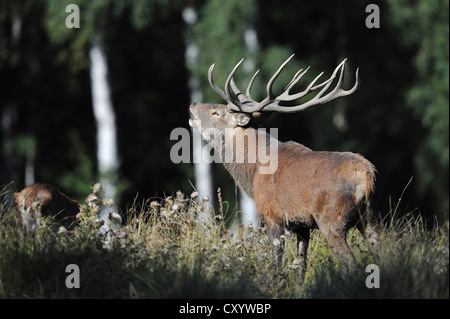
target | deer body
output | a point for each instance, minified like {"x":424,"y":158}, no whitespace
{"x":315,"y":186}
{"x":309,"y":189}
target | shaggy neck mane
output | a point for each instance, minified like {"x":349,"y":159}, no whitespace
{"x":242,"y":151}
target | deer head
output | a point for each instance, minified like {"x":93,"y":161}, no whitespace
{"x":241,"y":111}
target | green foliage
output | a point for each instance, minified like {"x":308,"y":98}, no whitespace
{"x":164,"y":251}
{"x":428,"y":32}
{"x":219,"y":36}
{"x":95,"y":20}
{"x":83,"y":172}
{"x":24,"y":146}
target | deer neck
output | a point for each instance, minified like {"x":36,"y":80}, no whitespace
{"x":245,"y":152}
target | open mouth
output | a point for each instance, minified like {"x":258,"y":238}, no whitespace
{"x":191,"y":122}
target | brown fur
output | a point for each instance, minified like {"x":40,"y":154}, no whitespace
{"x":43,"y":200}
{"x":311,"y":189}
{"x":331,"y":191}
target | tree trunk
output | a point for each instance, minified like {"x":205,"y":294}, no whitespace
{"x":107,"y":156}
{"x":7,"y":119}
{"x":249,"y":214}
{"x":203,"y":177}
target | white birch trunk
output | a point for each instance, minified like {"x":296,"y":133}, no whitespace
{"x":7,"y":119}
{"x":249,"y":214}
{"x":30,"y":152}
{"x":203,"y":177}
{"x":107,"y":155}
{"x":29,"y":166}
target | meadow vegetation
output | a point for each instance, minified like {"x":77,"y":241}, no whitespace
{"x":177,"y":247}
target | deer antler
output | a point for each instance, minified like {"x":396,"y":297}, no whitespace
{"x":238,"y":102}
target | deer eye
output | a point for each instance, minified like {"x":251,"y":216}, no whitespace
{"x":215,"y":113}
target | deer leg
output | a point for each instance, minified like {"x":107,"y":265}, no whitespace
{"x":371,"y":234}
{"x":277,"y":243}
{"x":370,"y":229}
{"x":339,"y":247}
{"x":336,"y":239}
{"x":303,"y":237}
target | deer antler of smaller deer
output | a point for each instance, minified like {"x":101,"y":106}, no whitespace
{"x":239,"y":102}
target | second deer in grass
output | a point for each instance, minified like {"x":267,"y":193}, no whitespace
{"x":331,"y":191}
{"x":43,"y":200}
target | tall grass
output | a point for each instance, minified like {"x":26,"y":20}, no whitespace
{"x":163,"y":250}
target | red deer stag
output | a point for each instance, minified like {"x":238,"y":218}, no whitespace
{"x":38,"y":200}
{"x":331,"y":191}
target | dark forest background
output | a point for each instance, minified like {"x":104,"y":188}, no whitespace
{"x":398,"y":118}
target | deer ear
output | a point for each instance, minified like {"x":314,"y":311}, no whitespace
{"x":241,"y":119}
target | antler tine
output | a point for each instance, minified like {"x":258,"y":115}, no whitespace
{"x":247,"y":98}
{"x":338,"y":91}
{"x":238,"y":102}
{"x":285,"y":96}
{"x":237,"y":92}
{"x":250,"y":85}
{"x":228,"y":81}
{"x":242,"y":104}
{"x":233,"y":104}
{"x":296,"y":78}
{"x":270,"y":95}
{"x":213,"y":85}
{"x":318,"y":99}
